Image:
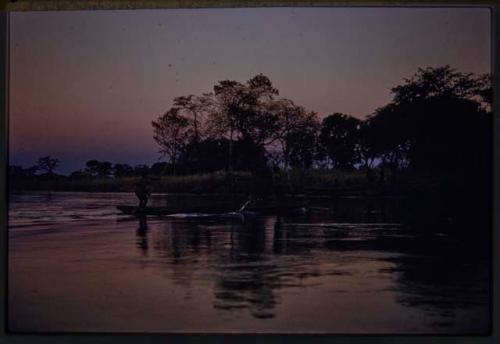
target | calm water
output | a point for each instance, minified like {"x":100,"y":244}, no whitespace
{"x":346,"y":266}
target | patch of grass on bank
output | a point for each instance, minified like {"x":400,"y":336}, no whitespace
{"x":206,"y":183}
{"x":243,"y":182}
{"x":304,"y":181}
{"x":294,"y":182}
{"x":335,"y":179}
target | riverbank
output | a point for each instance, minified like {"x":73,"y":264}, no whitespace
{"x":450,"y":201}
{"x":314,"y":182}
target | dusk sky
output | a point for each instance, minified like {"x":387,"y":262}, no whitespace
{"x":87,"y":84}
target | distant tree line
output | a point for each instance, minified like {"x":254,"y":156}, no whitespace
{"x":438,"y":121}
{"x":44,"y":169}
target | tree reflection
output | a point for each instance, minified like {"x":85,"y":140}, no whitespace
{"x":248,"y":263}
{"x":441,"y":274}
{"x":141,"y":233}
{"x":247,"y":276}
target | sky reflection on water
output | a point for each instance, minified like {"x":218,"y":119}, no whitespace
{"x":312,"y":273}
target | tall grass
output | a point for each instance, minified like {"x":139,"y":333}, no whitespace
{"x":240,"y":182}
{"x":296,"y":181}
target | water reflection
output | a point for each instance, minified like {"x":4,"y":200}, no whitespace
{"x":142,"y":235}
{"x":443,"y":274}
{"x":249,"y":263}
{"x":361,"y":261}
{"x":247,"y":276}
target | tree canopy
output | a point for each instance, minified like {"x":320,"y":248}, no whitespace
{"x":438,"y":120}
{"x":436,"y":116}
{"x":47,"y":164}
{"x":171,"y":132}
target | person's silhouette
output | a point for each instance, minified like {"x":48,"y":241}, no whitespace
{"x":143,"y":191}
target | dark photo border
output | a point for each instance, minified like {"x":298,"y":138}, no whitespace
{"x":25,"y":5}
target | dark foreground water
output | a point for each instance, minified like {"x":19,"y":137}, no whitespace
{"x":346,"y":266}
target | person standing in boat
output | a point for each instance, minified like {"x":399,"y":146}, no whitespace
{"x":143,"y":191}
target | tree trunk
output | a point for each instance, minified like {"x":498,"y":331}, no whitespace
{"x":286,"y":158}
{"x":230,"y":160}
{"x":196,"y":144}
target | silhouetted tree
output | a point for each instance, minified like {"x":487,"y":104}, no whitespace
{"x":195,"y":109}
{"x":97,"y":168}
{"x":122,"y":170}
{"x":388,"y":130}
{"x":439,"y":125}
{"x":438,"y":121}
{"x":241,"y":112}
{"x":47,"y":164}
{"x":211,"y":153}
{"x":338,"y":136}
{"x":295,"y":133}
{"x":442,"y":82}
{"x":302,"y":142}
{"x":171,"y":132}
{"x":367,"y":145}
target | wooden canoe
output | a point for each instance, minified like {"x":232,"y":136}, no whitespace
{"x":159,"y":211}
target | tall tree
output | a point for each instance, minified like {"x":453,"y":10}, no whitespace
{"x":441,"y":120}
{"x":171,"y":131}
{"x":442,"y":82}
{"x":295,"y":133}
{"x":241,"y":113}
{"x":367,"y":145}
{"x":387,"y":135}
{"x":228,"y":97}
{"x":338,"y":136}
{"x":196,"y":110}
{"x":438,"y":118}
{"x":302,"y":141}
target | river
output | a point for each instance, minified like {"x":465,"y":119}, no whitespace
{"x":350,"y":266}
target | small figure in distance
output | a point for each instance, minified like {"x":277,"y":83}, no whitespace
{"x":143,"y":191}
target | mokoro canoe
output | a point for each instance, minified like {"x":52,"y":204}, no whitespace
{"x":134,"y":210}
{"x":161,"y":211}
{"x":164,"y":211}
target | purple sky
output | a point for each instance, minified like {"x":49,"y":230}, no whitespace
{"x":86,"y":84}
